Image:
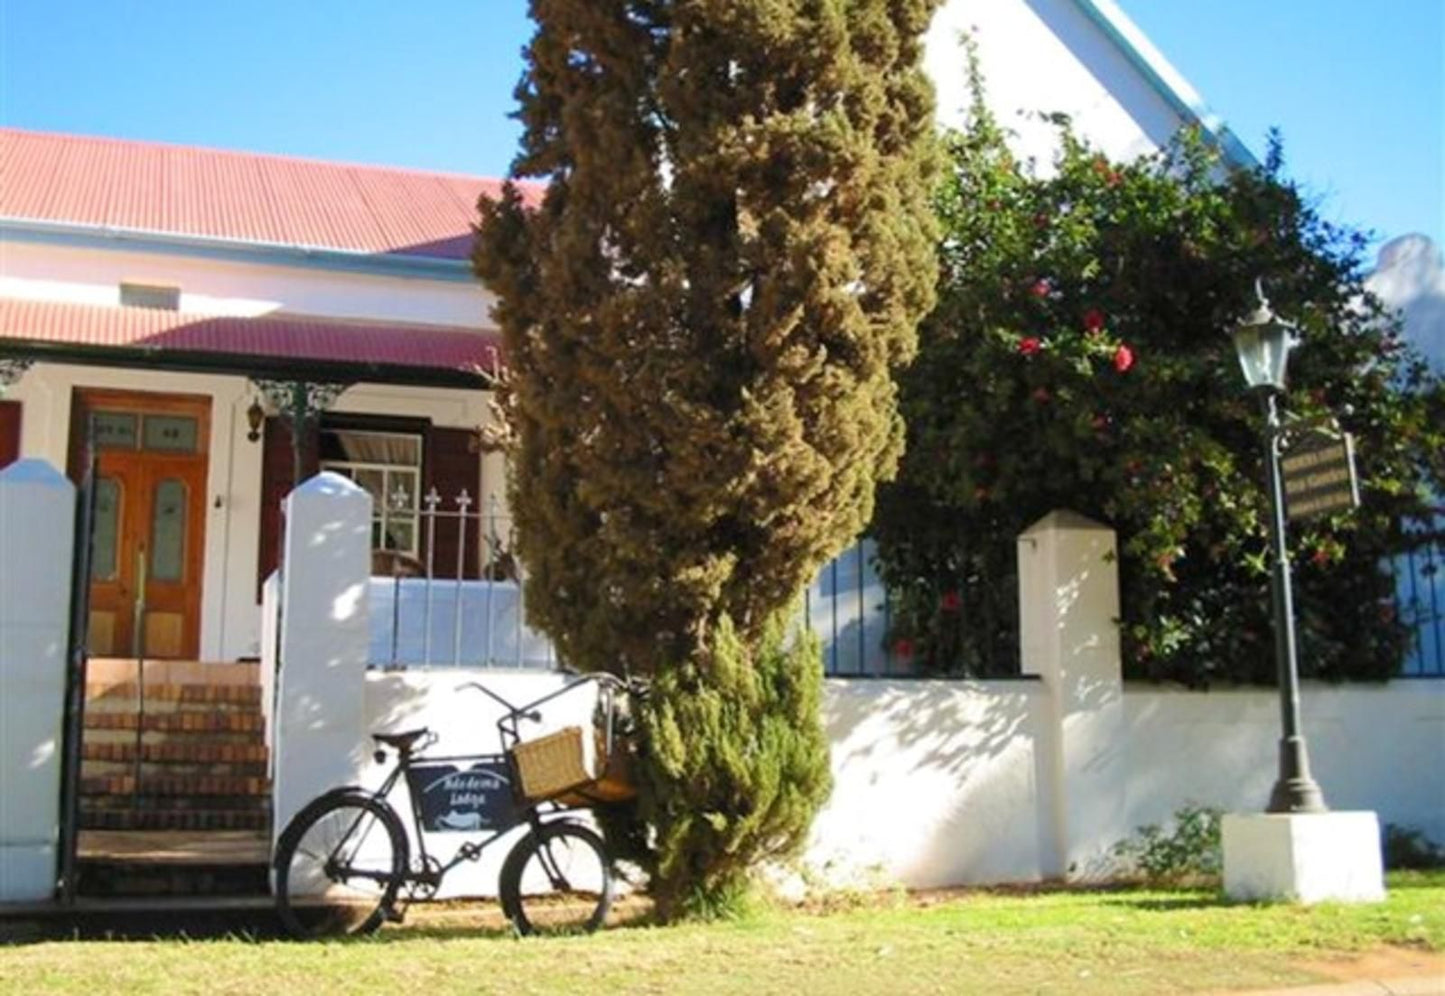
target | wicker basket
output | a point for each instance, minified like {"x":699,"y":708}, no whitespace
{"x":616,"y":784}
{"x":550,"y":765}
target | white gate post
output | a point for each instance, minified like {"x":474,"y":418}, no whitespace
{"x":319,"y":731}
{"x":1069,"y":637}
{"x":37,"y":540}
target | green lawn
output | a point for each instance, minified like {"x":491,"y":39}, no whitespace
{"x":1072,"y":942}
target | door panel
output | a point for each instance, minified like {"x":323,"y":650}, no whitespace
{"x":149,"y":535}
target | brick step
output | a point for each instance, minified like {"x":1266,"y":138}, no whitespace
{"x":172,"y":722}
{"x":117,"y":670}
{"x":174,"y":804}
{"x":180,"y":750}
{"x":198,"y":695}
{"x":129,"y":878}
{"x":173,"y":769}
{"x":187,"y":786}
{"x":118,"y":736}
{"x":92,"y":818}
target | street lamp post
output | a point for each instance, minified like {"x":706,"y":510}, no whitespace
{"x":1263,"y":343}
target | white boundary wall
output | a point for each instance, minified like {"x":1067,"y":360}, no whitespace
{"x":37,"y":523}
{"x":936,"y":782}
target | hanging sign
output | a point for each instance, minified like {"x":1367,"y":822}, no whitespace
{"x":453,"y":799}
{"x":1318,"y":472}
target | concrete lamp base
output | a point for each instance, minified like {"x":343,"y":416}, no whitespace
{"x":1303,"y":857}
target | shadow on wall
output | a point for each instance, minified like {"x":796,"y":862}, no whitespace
{"x":933,"y":783}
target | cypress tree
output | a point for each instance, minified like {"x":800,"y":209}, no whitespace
{"x":702,"y":318}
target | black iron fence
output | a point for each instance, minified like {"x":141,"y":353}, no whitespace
{"x":1420,"y":599}
{"x":853,"y":614}
{"x":446,"y":589}
{"x":456,"y":598}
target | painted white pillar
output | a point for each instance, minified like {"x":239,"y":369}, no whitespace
{"x":37,"y":533}
{"x":319,"y":730}
{"x":1069,"y":633}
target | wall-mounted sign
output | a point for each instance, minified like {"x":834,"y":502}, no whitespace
{"x":1319,"y":474}
{"x":454,"y":799}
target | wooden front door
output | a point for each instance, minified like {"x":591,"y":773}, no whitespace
{"x":147,"y":548}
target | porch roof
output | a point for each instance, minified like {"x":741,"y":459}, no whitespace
{"x":275,"y":346}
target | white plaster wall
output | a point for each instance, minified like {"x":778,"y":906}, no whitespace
{"x":1376,"y":747}
{"x":230,"y":616}
{"x":1046,"y":56}
{"x":933,"y":780}
{"x":93,"y":276}
{"x":933,"y":783}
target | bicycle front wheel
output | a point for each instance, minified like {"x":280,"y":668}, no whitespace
{"x":557,"y":880}
{"x":338,"y":866}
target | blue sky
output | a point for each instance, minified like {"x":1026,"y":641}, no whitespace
{"x":1358,"y":88}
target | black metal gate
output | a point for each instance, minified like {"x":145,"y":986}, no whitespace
{"x":76,"y":656}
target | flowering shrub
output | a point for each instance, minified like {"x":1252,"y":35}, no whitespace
{"x":1078,"y":358}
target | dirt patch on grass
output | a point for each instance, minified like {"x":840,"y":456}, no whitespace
{"x":1379,"y":963}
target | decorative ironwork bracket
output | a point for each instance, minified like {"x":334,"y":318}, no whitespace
{"x":11,"y":370}
{"x":299,"y":404}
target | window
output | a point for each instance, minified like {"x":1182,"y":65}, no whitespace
{"x":150,"y":296}
{"x":388,"y":465}
{"x":155,"y":433}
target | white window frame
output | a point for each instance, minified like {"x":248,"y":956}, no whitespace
{"x":383,"y":513}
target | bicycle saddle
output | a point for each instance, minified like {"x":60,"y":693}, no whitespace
{"x":400,"y":741}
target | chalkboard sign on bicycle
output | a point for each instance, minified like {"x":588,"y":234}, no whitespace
{"x":344,"y":863}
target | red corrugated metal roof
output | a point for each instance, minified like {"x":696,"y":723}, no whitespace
{"x":146,"y":186}
{"x":278,"y":337}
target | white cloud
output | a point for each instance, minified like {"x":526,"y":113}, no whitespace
{"x":1410,"y":276}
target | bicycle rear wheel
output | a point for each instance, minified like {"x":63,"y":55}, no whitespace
{"x":557,"y":880}
{"x":338,"y":866}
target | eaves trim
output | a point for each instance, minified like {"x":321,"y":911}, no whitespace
{"x":235,"y":250}
{"x":1165,"y":80}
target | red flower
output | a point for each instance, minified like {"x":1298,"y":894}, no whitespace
{"x":1093,"y":320}
{"x":980,"y":494}
{"x":1030,"y":345}
{"x":1320,"y":557}
{"x":1042,"y":395}
{"x":1123,"y":358}
{"x":1040,"y":288}
{"x":903,"y":650}
{"x":950,"y":602}
{"x":1114,"y":178}
{"x":1101,"y":423}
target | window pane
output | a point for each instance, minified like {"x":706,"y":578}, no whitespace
{"x":374,"y":481}
{"x":171,"y":433}
{"x":401,"y":535}
{"x":401,"y":489}
{"x":114,"y":430}
{"x":105,"y":537}
{"x":168,"y":531}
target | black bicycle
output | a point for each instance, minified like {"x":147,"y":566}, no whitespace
{"x":343,"y":864}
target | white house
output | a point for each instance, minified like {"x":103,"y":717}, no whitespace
{"x":214,"y":325}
